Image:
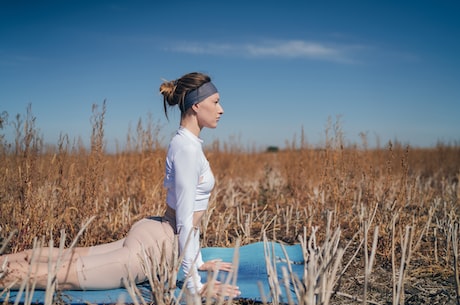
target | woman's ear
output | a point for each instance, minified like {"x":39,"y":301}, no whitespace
{"x":195,"y":107}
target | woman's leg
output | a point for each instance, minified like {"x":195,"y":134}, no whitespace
{"x":42,"y":254}
{"x":105,"y":248}
{"x":36,"y":263}
{"x":37,"y":271}
{"x":99,"y":267}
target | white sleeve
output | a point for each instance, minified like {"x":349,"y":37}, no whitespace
{"x":187,"y":172}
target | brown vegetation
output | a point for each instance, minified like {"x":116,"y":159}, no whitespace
{"x":396,"y":208}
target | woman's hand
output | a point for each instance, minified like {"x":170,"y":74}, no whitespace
{"x":216,"y":289}
{"x":215,"y":265}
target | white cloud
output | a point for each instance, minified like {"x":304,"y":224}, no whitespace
{"x":206,"y":48}
{"x":278,"y":48}
{"x":293,"y":48}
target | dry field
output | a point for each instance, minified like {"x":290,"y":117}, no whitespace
{"x":380,"y":225}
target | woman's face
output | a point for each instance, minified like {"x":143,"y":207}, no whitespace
{"x":209,"y":111}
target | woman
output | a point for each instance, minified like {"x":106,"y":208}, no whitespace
{"x":189,"y":181}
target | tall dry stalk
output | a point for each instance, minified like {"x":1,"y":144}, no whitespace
{"x":369,"y":258}
{"x":162,"y":274}
{"x":455,"y":237}
{"x":28,"y":283}
{"x":95,"y":169}
{"x":321,"y":269}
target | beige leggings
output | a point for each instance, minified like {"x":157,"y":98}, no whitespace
{"x":105,"y":266}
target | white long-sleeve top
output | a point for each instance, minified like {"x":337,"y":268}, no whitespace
{"x":189,"y":181}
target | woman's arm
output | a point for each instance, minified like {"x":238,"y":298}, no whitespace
{"x":187,"y":172}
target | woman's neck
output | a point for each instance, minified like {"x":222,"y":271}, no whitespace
{"x":191,"y":124}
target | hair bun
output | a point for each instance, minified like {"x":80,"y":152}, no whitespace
{"x":167,"y":89}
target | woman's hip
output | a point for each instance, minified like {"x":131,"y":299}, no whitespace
{"x":150,"y":232}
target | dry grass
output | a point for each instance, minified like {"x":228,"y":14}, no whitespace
{"x":385,"y":219}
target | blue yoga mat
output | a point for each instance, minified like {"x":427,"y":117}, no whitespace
{"x":252,"y":276}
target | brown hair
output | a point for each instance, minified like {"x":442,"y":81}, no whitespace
{"x":174,"y":92}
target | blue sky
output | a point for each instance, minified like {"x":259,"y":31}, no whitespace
{"x":388,"y":69}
